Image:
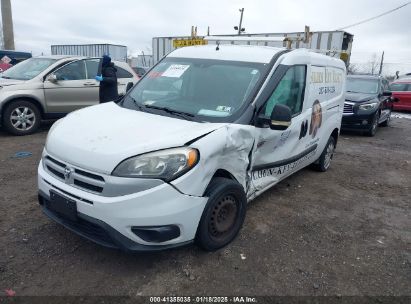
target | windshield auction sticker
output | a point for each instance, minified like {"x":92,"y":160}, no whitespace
{"x":175,"y":70}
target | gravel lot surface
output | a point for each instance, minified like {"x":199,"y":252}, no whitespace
{"x":343,"y":232}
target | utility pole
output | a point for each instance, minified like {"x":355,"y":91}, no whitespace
{"x":382,"y":62}
{"x":241,"y":21}
{"x":239,"y":28}
{"x":7,"y":21}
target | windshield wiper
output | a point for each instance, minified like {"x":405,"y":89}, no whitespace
{"x":5,"y":77}
{"x":140,"y":107}
{"x":171,"y":111}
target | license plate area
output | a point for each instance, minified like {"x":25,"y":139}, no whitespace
{"x":62,"y":205}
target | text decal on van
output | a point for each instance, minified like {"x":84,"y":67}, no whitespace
{"x":285,"y":166}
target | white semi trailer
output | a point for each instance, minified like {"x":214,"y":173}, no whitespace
{"x":332,"y":43}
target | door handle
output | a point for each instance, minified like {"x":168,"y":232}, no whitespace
{"x":89,"y":83}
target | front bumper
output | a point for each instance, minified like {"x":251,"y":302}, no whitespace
{"x":362,"y":122}
{"x":108,"y":221}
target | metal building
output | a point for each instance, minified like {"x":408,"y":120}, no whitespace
{"x":116,"y":52}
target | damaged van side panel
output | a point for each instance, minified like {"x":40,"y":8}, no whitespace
{"x":226,"y":148}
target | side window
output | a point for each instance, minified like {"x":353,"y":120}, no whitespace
{"x":122,"y":73}
{"x":289,"y":92}
{"x":399,"y":87}
{"x":72,"y":71}
{"x":92,"y":68}
{"x":384,"y":85}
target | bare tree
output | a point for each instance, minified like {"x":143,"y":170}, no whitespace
{"x":353,"y":68}
{"x":373,"y":64}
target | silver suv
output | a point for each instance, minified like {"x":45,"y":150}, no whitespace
{"x":49,"y":87}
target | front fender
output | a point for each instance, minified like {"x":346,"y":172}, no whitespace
{"x":226,"y":148}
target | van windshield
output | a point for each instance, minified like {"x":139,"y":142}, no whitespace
{"x":366,"y":86}
{"x":28,"y":69}
{"x":200,"y":89}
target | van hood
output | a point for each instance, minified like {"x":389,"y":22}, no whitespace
{"x":6,"y":82}
{"x":99,"y":137}
{"x":359,"y":97}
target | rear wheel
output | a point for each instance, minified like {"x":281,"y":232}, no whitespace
{"x":324,"y":161}
{"x":373,"y":130}
{"x":21,"y":117}
{"x":223,"y":215}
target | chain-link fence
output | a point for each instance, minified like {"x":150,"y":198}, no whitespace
{"x":389,"y":69}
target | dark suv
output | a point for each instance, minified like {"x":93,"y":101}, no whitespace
{"x":367,"y":105}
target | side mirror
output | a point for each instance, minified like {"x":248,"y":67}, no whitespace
{"x":52,"y":78}
{"x":387,"y":93}
{"x":280,"y":117}
{"x":394,"y":99}
{"x":129,"y":86}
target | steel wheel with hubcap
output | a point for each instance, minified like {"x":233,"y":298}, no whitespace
{"x":21,"y":117}
{"x":324,"y":162}
{"x":329,"y":154}
{"x":223,"y":215}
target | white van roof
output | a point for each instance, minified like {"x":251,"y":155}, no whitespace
{"x":246,"y":53}
{"x":253,"y":53}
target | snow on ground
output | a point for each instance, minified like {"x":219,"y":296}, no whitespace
{"x":401,"y":115}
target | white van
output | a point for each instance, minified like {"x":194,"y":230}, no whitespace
{"x":205,"y":131}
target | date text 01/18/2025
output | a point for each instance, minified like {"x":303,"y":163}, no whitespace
{"x":203,"y":299}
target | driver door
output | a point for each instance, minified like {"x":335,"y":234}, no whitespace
{"x":280,"y":153}
{"x":71,"y":89}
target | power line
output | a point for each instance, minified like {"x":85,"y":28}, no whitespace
{"x":375,"y":17}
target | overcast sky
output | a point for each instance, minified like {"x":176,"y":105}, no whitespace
{"x":40,"y":23}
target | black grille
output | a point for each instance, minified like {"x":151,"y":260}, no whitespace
{"x":90,"y":175}
{"x":80,"y":178}
{"x":56,"y":162}
{"x":55,"y":172}
{"x":348,"y":108}
{"x":88,"y":186}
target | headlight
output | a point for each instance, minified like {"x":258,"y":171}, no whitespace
{"x":368,"y":106}
{"x":165,"y":164}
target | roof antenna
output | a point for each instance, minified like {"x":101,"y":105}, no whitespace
{"x":218,"y":46}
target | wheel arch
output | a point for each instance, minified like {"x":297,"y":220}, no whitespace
{"x":334,"y":134}
{"x":221,"y":173}
{"x":31,"y":99}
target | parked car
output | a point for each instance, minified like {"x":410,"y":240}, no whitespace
{"x":368,"y":104}
{"x":205,"y":131}
{"x":401,"y":89}
{"x":49,"y":87}
{"x":140,"y":71}
{"x":11,"y":58}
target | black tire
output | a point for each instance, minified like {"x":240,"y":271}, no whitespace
{"x":373,"y":129}
{"x":33,"y":115}
{"x":387,"y":121}
{"x":223,"y":215}
{"x":324,"y":162}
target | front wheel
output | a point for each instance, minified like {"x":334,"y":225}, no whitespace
{"x":373,"y":130}
{"x":387,"y":121}
{"x":21,"y":117}
{"x":324,"y":162}
{"x":223,"y":215}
